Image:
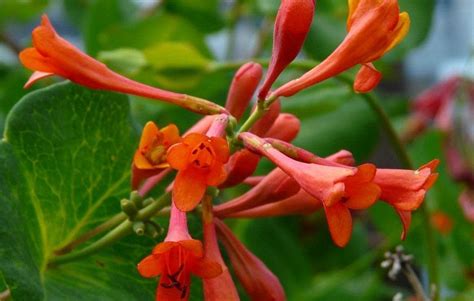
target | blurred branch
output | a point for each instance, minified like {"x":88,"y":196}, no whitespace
{"x":10,"y":43}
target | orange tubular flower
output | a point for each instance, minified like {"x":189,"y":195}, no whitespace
{"x":243,"y":163}
{"x":405,"y":189}
{"x":277,"y":185}
{"x":300,"y":203}
{"x":199,"y":160}
{"x":150,"y":156}
{"x":258,"y":281}
{"x":53,"y":55}
{"x":374,"y":28}
{"x":176,"y":259}
{"x":292,"y":25}
{"x":242,"y":88}
{"x":339,"y":188}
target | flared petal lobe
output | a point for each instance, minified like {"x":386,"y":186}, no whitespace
{"x":200,"y":161}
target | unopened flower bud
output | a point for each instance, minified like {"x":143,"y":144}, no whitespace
{"x":243,"y":86}
{"x":292,"y":25}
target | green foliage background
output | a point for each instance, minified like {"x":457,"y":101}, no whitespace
{"x":66,"y":151}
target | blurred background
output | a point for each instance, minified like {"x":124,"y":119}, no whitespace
{"x":196,"y":46}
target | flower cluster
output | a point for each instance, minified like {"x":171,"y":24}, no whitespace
{"x":213,"y":156}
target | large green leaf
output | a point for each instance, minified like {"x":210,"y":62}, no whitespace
{"x":65,"y":165}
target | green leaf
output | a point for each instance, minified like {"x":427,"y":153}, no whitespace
{"x":64,"y":169}
{"x":204,"y":15}
{"x":14,"y":10}
{"x":176,"y":65}
{"x":127,"y":61}
{"x":144,"y":33}
{"x":333,"y":118}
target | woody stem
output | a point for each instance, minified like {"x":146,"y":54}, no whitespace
{"x":122,"y":230}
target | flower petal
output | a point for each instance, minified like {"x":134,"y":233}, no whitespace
{"x":363,"y":196}
{"x":150,"y":266}
{"x":340,"y":223}
{"x":216,"y":175}
{"x":206,"y":268}
{"x":405,"y":217}
{"x":177,"y":156}
{"x":188,"y":189}
{"x":221,"y":149}
{"x":36,"y":76}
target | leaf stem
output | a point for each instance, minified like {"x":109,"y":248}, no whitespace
{"x":122,"y":230}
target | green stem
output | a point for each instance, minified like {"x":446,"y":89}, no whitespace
{"x":108,"y":224}
{"x":122,"y":230}
{"x":254,"y":117}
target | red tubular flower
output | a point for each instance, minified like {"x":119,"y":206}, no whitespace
{"x":367,"y":78}
{"x":258,"y":281}
{"x":199,"y":160}
{"x":243,"y":163}
{"x":176,"y":259}
{"x":222,"y":287}
{"x":242,"y":88}
{"x":277,"y":185}
{"x":52,"y":54}
{"x":405,"y":189}
{"x":292,"y":25}
{"x":299,"y":203}
{"x":150,"y":156}
{"x":339,"y":188}
{"x":374,"y":28}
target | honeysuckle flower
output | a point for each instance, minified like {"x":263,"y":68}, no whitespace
{"x":175,"y":259}
{"x":257,"y":280}
{"x":200,"y":161}
{"x":299,"y":203}
{"x":242,"y":88}
{"x":374,"y":28}
{"x":292,"y":25}
{"x":243,"y":163}
{"x":277,"y":185}
{"x":405,"y":190}
{"x":339,"y":188}
{"x":150,"y":156}
{"x":53,"y":55}
{"x":367,"y":78}
{"x":222,"y":287}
